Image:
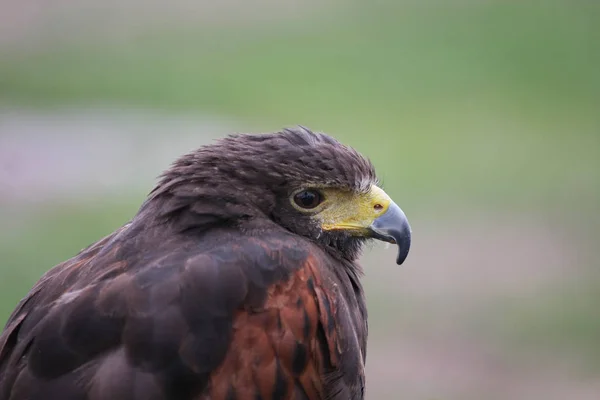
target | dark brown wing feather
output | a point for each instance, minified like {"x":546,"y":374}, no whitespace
{"x":233,"y":318}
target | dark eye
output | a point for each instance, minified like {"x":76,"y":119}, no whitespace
{"x":308,"y":199}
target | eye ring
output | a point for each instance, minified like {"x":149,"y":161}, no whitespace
{"x":308,"y":199}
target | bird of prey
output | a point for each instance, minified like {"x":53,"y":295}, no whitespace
{"x":237,"y":279}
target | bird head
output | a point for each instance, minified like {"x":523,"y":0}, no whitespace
{"x":307,"y":183}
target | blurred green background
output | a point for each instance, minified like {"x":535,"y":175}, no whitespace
{"x":482,"y":117}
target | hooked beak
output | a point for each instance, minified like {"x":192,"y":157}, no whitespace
{"x":393,"y":227}
{"x":371,"y":215}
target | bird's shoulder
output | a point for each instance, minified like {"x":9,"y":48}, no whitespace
{"x":241,"y":313}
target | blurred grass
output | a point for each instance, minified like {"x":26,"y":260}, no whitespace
{"x":489,"y":105}
{"x":455,"y":99}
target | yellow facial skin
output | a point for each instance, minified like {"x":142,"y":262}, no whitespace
{"x":349,"y":211}
{"x":369,"y":215}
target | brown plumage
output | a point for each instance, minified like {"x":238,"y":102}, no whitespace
{"x":228,"y":284}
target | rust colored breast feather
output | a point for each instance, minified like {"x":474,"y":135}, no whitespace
{"x":277,"y":351}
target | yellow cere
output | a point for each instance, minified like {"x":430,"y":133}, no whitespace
{"x":353,"y":212}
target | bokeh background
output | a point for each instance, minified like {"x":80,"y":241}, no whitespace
{"x":482,"y":117}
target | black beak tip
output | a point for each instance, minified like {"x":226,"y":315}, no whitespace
{"x":401,"y":238}
{"x":403,"y":248}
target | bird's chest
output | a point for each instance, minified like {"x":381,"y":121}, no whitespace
{"x":306,"y":342}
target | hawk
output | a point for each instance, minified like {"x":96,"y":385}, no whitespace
{"x":237,"y":279}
